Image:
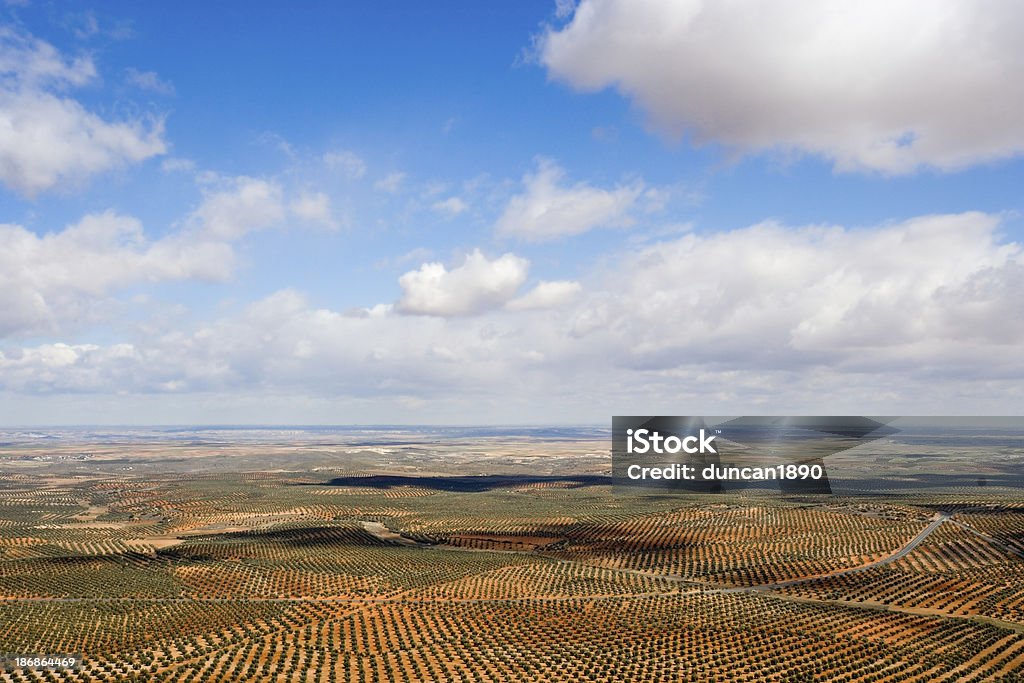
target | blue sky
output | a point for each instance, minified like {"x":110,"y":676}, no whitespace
{"x":507,"y":212}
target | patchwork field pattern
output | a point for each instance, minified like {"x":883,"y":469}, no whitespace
{"x":325,"y":560}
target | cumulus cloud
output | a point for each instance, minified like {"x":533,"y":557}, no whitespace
{"x":924,"y":291}
{"x":51,"y":281}
{"x":285,"y":346}
{"x":476,"y":285}
{"x":54,"y":282}
{"x":25,"y":60}
{"x":547,"y":210}
{"x":47,"y":138}
{"x":314,"y":207}
{"x":72,"y":368}
{"x":238,"y":206}
{"x":547,"y":294}
{"x":873,"y":85}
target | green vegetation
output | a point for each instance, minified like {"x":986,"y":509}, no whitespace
{"x":267,"y":575}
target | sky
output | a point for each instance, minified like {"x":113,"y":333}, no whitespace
{"x":509,"y":212}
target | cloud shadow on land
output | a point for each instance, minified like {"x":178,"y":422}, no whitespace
{"x":464,"y":484}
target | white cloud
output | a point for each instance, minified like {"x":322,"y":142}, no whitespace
{"x":50,"y":282}
{"x":453,"y":206}
{"x":66,"y":280}
{"x":72,"y":368}
{"x":282,"y":344}
{"x":349,"y":163}
{"x":239,"y":206}
{"x":925,"y":291}
{"x":28,"y":61}
{"x":477,"y":285}
{"x":48,"y":139}
{"x":390,"y":183}
{"x":314,"y":207}
{"x":547,"y":294}
{"x":917,"y":316}
{"x":878,"y":85}
{"x":148,"y":80}
{"x":548,"y":211}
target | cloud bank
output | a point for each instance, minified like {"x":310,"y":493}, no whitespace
{"x":926,"y":312}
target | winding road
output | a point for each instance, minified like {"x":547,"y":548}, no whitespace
{"x":936,"y":522}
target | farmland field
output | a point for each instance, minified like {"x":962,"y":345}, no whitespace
{"x":480,"y":555}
